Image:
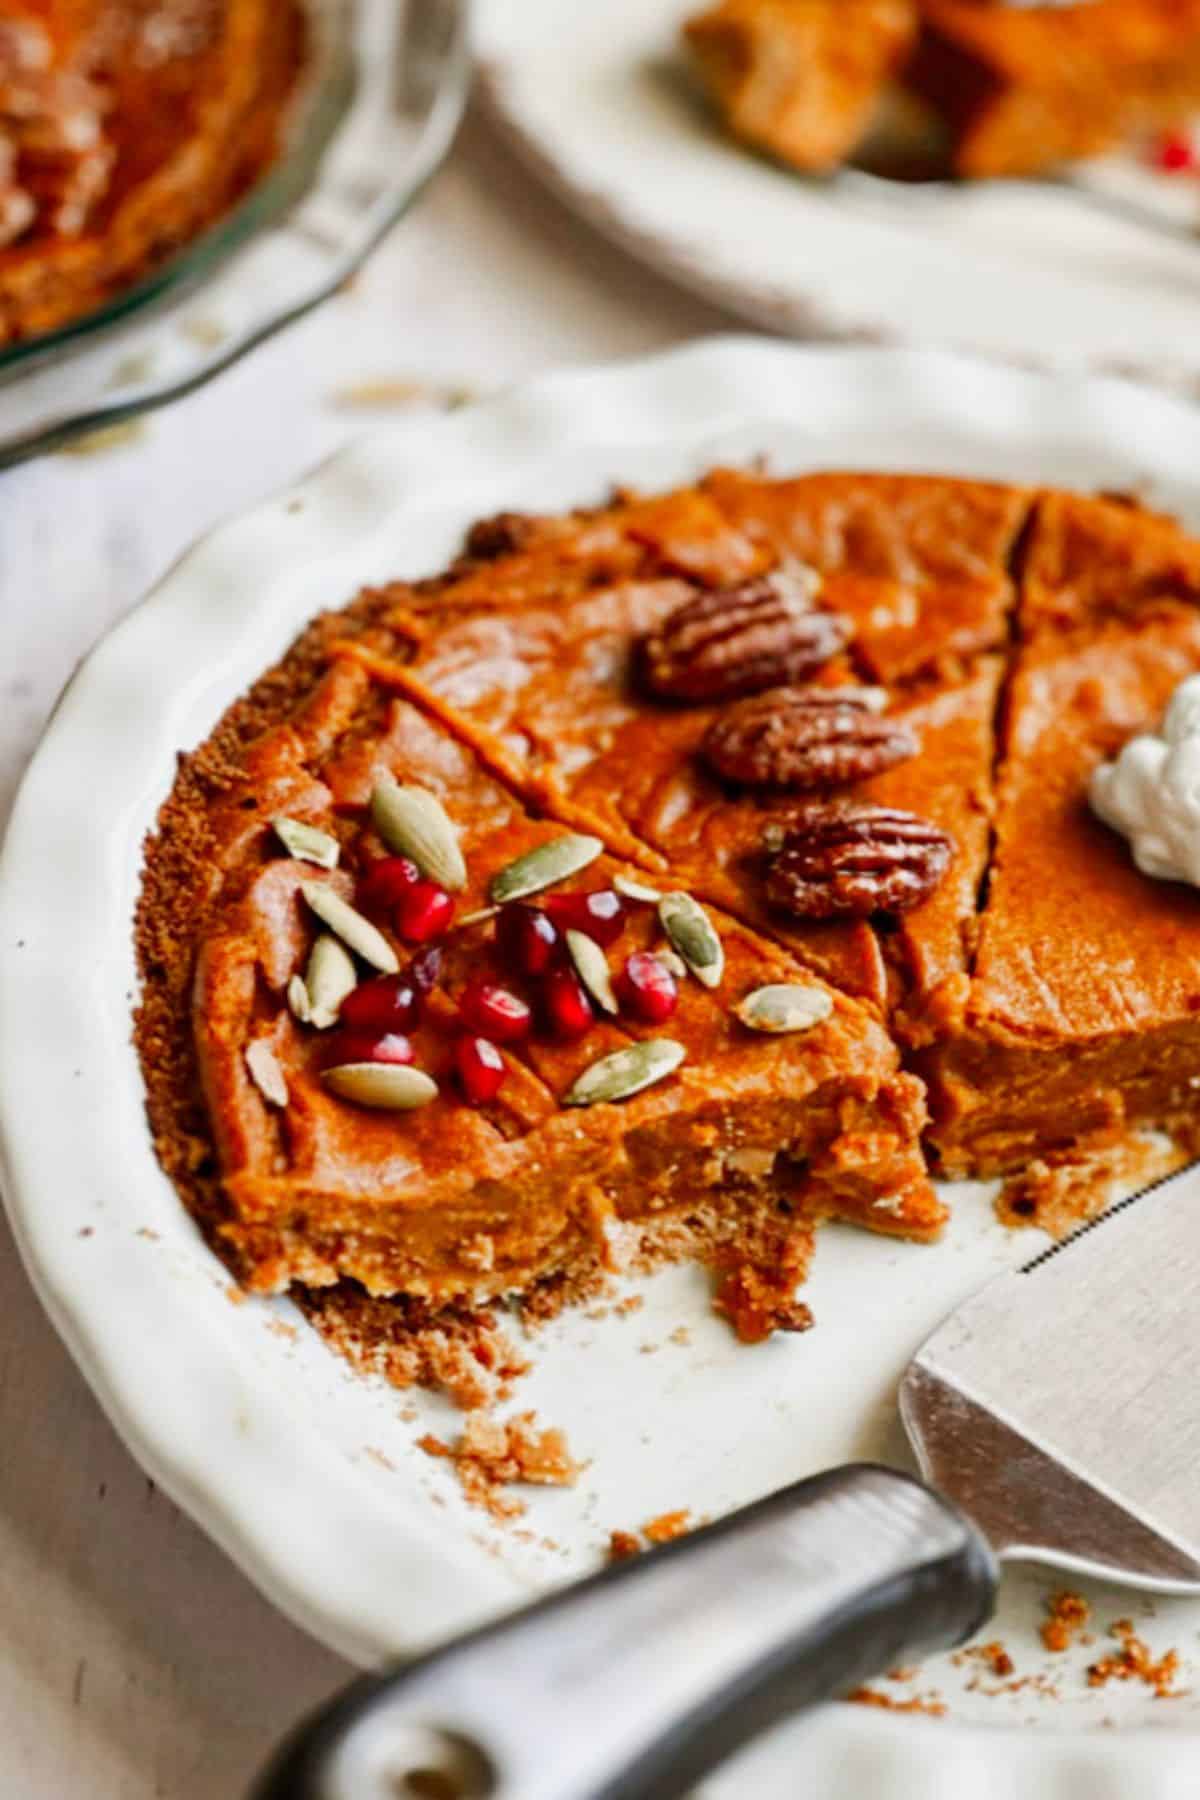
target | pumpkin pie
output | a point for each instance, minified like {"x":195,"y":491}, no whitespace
{"x":126,"y":128}
{"x":1012,"y":90}
{"x":752,"y":1140}
{"x":577,"y":1079}
{"x":1023,"y":88}
{"x":801,"y":79}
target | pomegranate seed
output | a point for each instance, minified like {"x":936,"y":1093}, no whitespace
{"x":495,"y":1012}
{"x":528,"y":940}
{"x":480,"y":1069}
{"x":389,"y":1003}
{"x":355,"y":1046}
{"x":425,"y":969}
{"x":601,"y":914}
{"x":1175,"y":152}
{"x":424,"y":912}
{"x":386,"y":883}
{"x":568,"y":1010}
{"x":647,"y":988}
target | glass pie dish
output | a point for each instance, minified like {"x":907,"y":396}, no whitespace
{"x":375,"y":112}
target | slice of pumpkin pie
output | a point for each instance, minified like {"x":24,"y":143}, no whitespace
{"x":400,"y":1028}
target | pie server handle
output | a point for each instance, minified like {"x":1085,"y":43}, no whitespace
{"x":634,"y":1683}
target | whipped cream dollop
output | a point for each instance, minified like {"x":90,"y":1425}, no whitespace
{"x":1151,"y":793}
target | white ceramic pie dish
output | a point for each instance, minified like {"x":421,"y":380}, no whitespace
{"x":309,"y":1476}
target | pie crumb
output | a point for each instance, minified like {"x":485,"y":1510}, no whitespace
{"x":1134,"y":1661}
{"x":1066,"y":1616}
{"x":622,"y":1545}
{"x":920,"y":1703}
{"x":494,"y":1454}
{"x":668,"y":1526}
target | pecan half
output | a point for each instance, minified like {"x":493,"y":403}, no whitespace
{"x":856,"y":859}
{"x":806,"y":737}
{"x":740,"y":640}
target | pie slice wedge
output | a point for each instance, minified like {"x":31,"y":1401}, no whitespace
{"x":1023,"y":88}
{"x":801,"y":79}
{"x":1082,"y":1015}
{"x":733,"y":1157}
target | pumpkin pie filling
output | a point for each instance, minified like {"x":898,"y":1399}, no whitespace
{"x":1043,"y":991}
{"x":1002,"y":89}
{"x":126,"y":128}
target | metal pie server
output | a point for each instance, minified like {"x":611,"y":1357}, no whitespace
{"x":1055,"y":1418}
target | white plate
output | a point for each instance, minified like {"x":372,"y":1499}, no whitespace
{"x":600,"y":100}
{"x":308,"y":1475}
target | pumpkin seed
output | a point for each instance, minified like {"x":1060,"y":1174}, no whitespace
{"x":591,"y":965}
{"x":637,"y":890}
{"x":414,"y":823}
{"x":626,"y":1072}
{"x":350,"y":926}
{"x":674,"y":965}
{"x":785,"y":1006}
{"x":298,"y":1001}
{"x":692,"y":934}
{"x":543,"y":866}
{"x":330,"y":976}
{"x":265,"y":1072}
{"x":478,"y":918}
{"x":388,"y":1087}
{"x":773,"y":838}
{"x":307,"y":843}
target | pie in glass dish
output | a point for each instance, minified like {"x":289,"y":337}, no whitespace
{"x":667,"y":878}
{"x":126,"y":128}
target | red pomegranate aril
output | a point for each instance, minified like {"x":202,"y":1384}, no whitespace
{"x":386,"y":883}
{"x":1176,"y":151}
{"x":647,"y":989}
{"x":568,"y":1010}
{"x":424,"y":912}
{"x":495,"y":1013}
{"x":425,"y":969}
{"x":389,"y":1003}
{"x":600,"y":913}
{"x":481,"y":1069}
{"x":527,"y":938}
{"x":355,"y":1046}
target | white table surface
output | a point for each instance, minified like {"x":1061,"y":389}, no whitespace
{"x":134,"y":1660}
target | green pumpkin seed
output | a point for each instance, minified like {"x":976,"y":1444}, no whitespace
{"x":674,"y":965}
{"x":478,"y":918}
{"x":414,"y":823}
{"x":543,"y":866}
{"x":692,"y":934}
{"x":388,"y":1087}
{"x":299,"y":1004}
{"x":306,"y":843}
{"x":773,"y":838}
{"x":626,"y":1072}
{"x":785,"y":1007}
{"x":350,"y":926}
{"x":591,"y":965}
{"x":637,"y":890}
{"x":316,"y":1000}
{"x":265,"y":1072}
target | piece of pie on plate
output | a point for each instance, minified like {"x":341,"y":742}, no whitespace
{"x":801,"y":79}
{"x":669,"y":877}
{"x":126,"y":127}
{"x":1009,"y":89}
{"x":1024,"y":87}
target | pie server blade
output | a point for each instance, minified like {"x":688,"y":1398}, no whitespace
{"x":1055,"y":1417}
